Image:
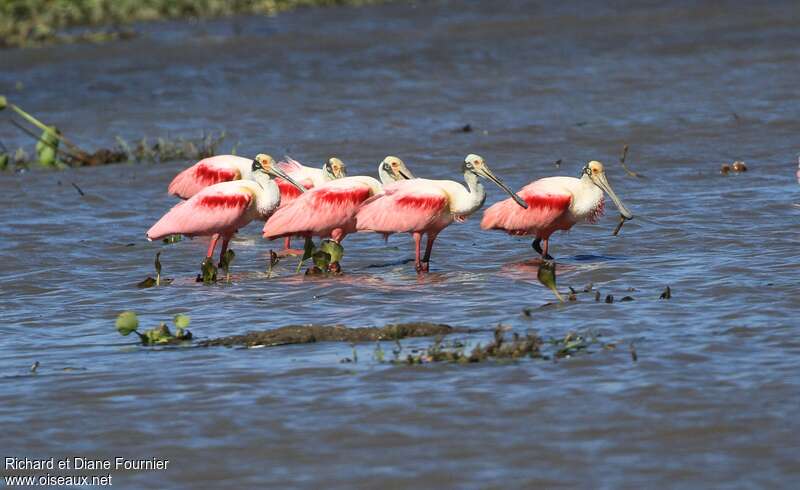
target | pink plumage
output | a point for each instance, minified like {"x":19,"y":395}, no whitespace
{"x":403,"y":207}
{"x":212,"y":210}
{"x":325,"y":211}
{"x":207,"y":172}
{"x":547,"y":212}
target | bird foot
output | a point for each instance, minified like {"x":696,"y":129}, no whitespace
{"x":538,"y":247}
{"x":421,"y":267}
{"x":335,"y":268}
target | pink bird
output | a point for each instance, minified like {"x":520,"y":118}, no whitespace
{"x":210,"y":171}
{"x":309,"y":178}
{"x":226,"y":168}
{"x":221,"y":209}
{"x":554,"y":203}
{"x":422,"y":206}
{"x":328,"y":211}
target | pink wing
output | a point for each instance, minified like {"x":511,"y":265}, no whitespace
{"x":546,"y":210}
{"x":212,"y":210}
{"x":204,"y":173}
{"x":403,"y":207}
{"x":289,"y":192}
{"x":319,"y":211}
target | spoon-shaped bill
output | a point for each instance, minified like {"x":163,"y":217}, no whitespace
{"x":601,"y":182}
{"x":276,"y":171}
{"x":491,"y":176}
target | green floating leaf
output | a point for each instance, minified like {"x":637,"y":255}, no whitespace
{"x":47,"y":147}
{"x":547,"y":276}
{"x":3,"y":102}
{"x":158,"y":335}
{"x":127,"y":322}
{"x":4,"y":159}
{"x":208,"y":271}
{"x":321,"y":259}
{"x":181,"y":320}
{"x":333,"y":249}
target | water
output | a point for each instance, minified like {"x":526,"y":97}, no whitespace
{"x":711,"y":401}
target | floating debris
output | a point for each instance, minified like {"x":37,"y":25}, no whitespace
{"x":610,"y":298}
{"x":634,"y":356}
{"x":622,"y":162}
{"x":304,"y":334}
{"x":34,"y":366}
{"x":738,"y":166}
{"x":667,"y":294}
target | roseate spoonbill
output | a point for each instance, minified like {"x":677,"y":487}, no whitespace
{"x":328,"y":211}
{"x":309,"y":178}
{"x":554,"y":203}
{"x":225,"y":168}
{"x":422,"y":206}
{"x":221,"y":209}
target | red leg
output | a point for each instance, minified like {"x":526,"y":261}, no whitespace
{"x":545,"y":255}
{"x":212,"y":245}
{"x":417,"y":240}
{"x":287,"y":243}
{"x":428,"y":248}
{"x":338,"y":235}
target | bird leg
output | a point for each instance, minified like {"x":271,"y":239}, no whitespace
{"x":541,"y":250}
{"x":287,"y":250}
{"x":212,"y":245}
{"x":417,"y":240}
{"x":428,"y":248}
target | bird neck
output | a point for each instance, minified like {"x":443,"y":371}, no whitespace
{"x":475,"y":197}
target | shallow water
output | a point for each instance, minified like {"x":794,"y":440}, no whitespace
{"x":712,"y":399}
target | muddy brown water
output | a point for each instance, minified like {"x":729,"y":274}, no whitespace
{"x":712,"y":400}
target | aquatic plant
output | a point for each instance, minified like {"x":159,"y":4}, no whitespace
{"x":35,"y":22}
{"x":208,"y":272}
{"x":225,"y":263}
{"x":547,"y":276}
{"x":128,"y":322}
{"x":149,"y":282}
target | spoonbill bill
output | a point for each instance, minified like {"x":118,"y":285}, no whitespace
{"x":221,"y":209}
{"x":554,"y":203}
{"x":426,"y":207}
{"x":328,"y":211}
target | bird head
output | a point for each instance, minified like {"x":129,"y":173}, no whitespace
{"x":264,"y":164}
{"x":594,"y":171}
{"x":395,"y":168}
{"x":334,"y":169}
{"x":475,"y":164}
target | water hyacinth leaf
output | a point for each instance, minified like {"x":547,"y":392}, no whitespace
{"x":47,"y":147}
{"x":547,"y":276}
{"x":4,"y":159}
{"x":333,"y":249}
{"x":308,"y":249}
{"x":208,"y":271}
{"x":321,"y":259}
{"x":181,"y":320}
{"x":3,"y":102}
{"x":127,"y":322}
{"x":225,"y":263}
